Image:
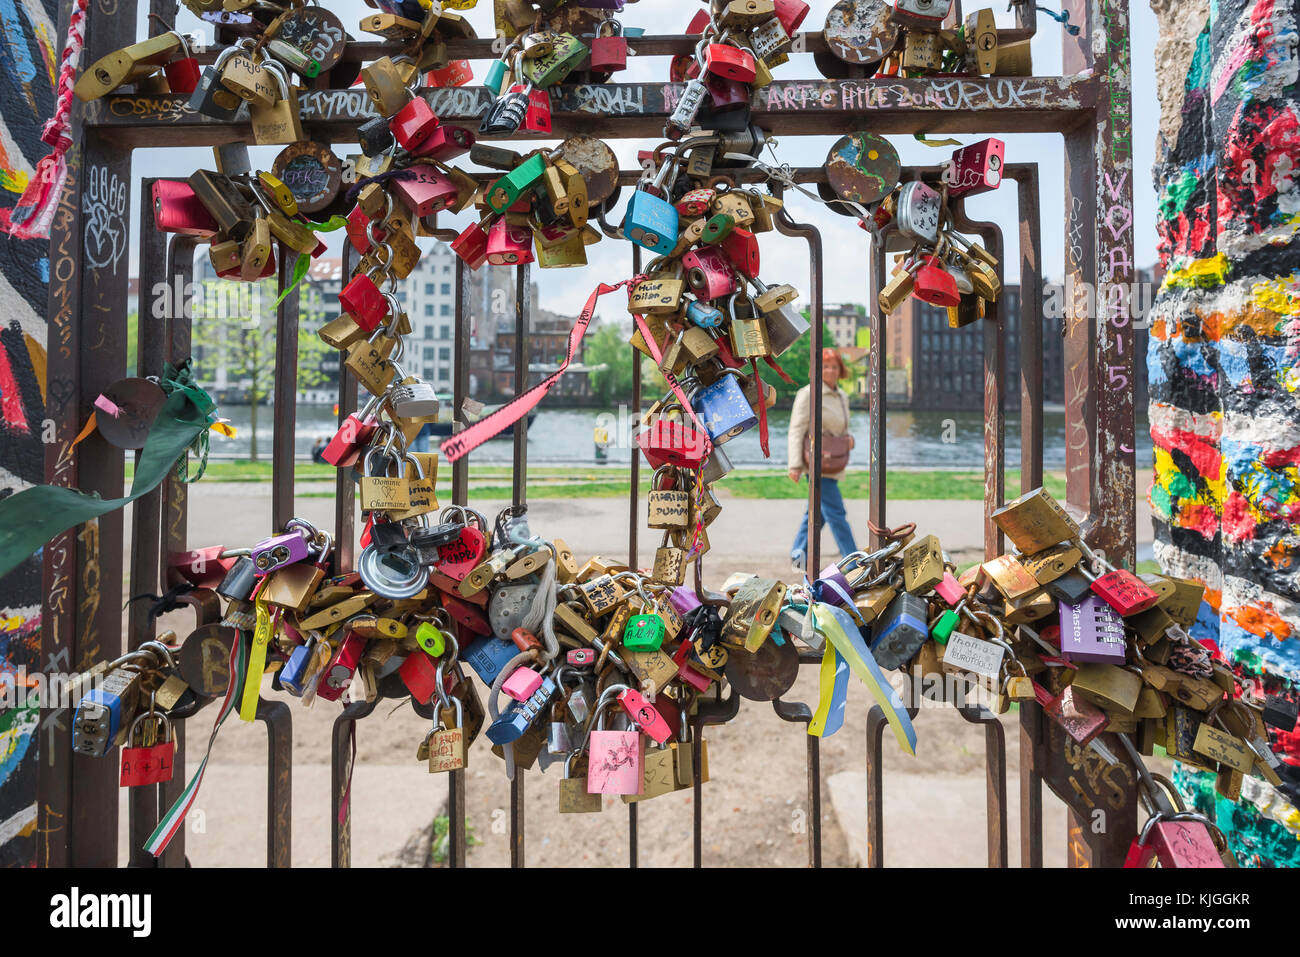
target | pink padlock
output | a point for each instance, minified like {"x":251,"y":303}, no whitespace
{"x":521,"y":683}
{"x":976,"y":168}
{"x":617,"y":762}
{"x":509,"y":245}
{"x":413,"y":124}
{"x":424,"y":190}
{"x":647,"y":718}
{"x":949,"y":589}
{"x":537,"y":119}
{"x":709,"y":273}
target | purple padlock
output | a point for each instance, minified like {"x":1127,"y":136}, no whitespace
{"x":280,"y":550}
{"x":833,"y":574}
{"x":1092,"y":631}
{"x":684,"y":600}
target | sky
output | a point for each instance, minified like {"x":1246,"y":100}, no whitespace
{"x":785,"y":259}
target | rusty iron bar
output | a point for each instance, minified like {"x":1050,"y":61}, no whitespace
{"x":995,"y":771}
{"x":634,"y":493}
{"x":799,"y":712}
{"x":523,"y":311}
{"x":342,"y":761}
{"x":456,"y":808}
{"x":175,"y":512}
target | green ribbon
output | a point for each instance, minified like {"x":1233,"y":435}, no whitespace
{"x":30,"y":518}
{"x":303,"y":263}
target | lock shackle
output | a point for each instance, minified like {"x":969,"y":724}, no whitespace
{"x":277,"y":70}
{"x":165,"y":724}
{"x":160,"y":649}
{"x":1156,"y":801}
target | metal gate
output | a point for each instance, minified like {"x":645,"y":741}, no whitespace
{"x":1089,"y":106}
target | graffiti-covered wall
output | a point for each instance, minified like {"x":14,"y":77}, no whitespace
{"x":1224,"y":356}
{"x":27,"y":67}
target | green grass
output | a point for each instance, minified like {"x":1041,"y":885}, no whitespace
{"x":491,"y":481}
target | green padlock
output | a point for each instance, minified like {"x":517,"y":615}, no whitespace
{"x":643,"y":633}
{"x":506,"y":190}
{"x":717,"y":229}
{"x":428,"y":637}
{"x":945,"y":626}
{"x":551,"y":69}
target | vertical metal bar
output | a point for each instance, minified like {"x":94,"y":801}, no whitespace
{"x":342,"y":764}
{"x":788,"y":227}
{"x":344,"y":488}
{"x":814,"y":762}
{"x":634,"y":492}
{"x":77,"y":808}
{"x":146,"y":511}
{"x":1031,"y":785}
{"x":523,"y":309}
{"x":876,"y":723}
{"x":175,"y":503}
{"x":1031,"y":328}
{"x":459,"y":495}
{"x":279,"y":780}
{"x":876,"y":391}
{"x":285,"y":394}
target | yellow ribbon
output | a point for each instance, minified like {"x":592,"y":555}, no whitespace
{"x":256,"y":662}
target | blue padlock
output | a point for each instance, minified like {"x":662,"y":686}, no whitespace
{"x":704,"y":315}
{"x":521,"y":715}
{"x":496,"y":75}
{"x":291,"y":675}
{"x":651,"y":221}
{"x":723,"y":408}
{"x":900,"y":632}
{"x":488,"y":656}
{"x":97,"y":722}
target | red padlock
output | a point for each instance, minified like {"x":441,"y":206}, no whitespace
{"x":935,"y":285}
{"x":727,"y":94}
{"x":358,"y":230}
{"x":471,"y":245}
{"x":609,"y":53}
{"x":741,"y":248}
{"x":148,"y":765}
{"x":419,"y":673}
{"x":204,"y":567}
{"x":1124,"y":592}
{"x":455,"y":73}
{"x":537,"y":119}
{"x":683,"y":67}
{"x":338,"y":673}
{"x":695,"y":203}
{"x":722,"y":59}
{"x":1178,"y":841}
{"x":362,"y":300}
{"x":176,"y":209}
{"x":353,"y":436}
{"x":466,"y":615}
{"x":709,"y":272}
{"x":665,"y":442}
{"x":234,"y":271}
{"x":424,"y":190}
{"x":647,"y":718}
{"x":791,"y":13}
{"x":698,"y":23}
{"x":413,"y":124}
{"x":459,"y":557}
{"x":509,"y":245}
{"x":445,"y":143}
{"x":182,"y":77}
{"x":976,"y":168}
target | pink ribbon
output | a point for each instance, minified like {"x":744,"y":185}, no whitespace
{"x":462,"y":443}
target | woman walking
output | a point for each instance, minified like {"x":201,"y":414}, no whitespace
{"x":836,"y":444}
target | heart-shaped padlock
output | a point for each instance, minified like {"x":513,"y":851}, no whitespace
{"x":459,"y":557}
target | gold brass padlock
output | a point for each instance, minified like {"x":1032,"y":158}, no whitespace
{"x":386,"y":85}
{"x":256,"y":250}
{"x":250,"y":80}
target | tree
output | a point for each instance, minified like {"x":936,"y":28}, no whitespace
{"x":608,"y":346}
{"x":244,"y":344}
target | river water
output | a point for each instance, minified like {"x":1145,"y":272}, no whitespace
{"x":566,"y":437}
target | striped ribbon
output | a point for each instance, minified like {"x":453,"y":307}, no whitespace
{"x":171,"y":821}
{"x":841,"y":632}
{"x":833,"y":678}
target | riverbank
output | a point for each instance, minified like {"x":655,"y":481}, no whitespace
{"x":612,"y":481}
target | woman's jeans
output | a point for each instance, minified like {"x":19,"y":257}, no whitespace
{"x":833,"y":514}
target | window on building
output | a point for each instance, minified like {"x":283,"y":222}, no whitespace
{"x":446,"y":289}
{"x":428,"y":309}
{"x":429,"y":352}
{"x":428,"y":332}
{"x":444,"y":354}
{"x":445,"y":310}
{"x":428,"y":289}
{"x":444,"y":331}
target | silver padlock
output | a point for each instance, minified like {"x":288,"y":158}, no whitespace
{"x":411,"y":400}
{"x":716,"y":466}
{"x":510,"y":605}
{"x":770,"y":40}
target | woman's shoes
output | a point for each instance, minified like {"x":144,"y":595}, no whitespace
{"x":797,"y":563}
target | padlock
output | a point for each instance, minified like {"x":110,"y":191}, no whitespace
{"x":362,"y":300}
{"x":784,"y":324}
{"x":413,"y":124}
{"x":146,"y":759}
{"x":506,"y":113}
{"x":419,"y":673}
{"x":287,"y":548}
{"x":616,"y":764}
{"x":658,"y":293}
{"x":1122,"y":590}
{"x":770,"y":40}
{"x":424,"y":190}
{"x":376,"y":139}
{"x":446,"y":143}
{"x":709,"y":273}
{"x":246,"y":75}
{"x":791,"y":13}
{"x":509,"y":245}
{"x":368,"y":361}
{"x":447,"y":742}
{"x":609,"y":51}
{"x":668,"y":507}
{"x":129,"y":64}
{"x":976,"y":168}
{"x":726,"y":95}
{"x":503,"y":193}
{"x":687,"y":109}
{"x":337,"y":674}
{"x":233,"y":213}
{"x":646,"y":716}
{"x":280,"y":121}
{"x":212,"y":99}
{"x":703,"y":314}
{"x":918,"y":212}
{"x":521,"y":715}
{"x":537,"y":117}
{"x":545,"y":71}
{"x":898,"y":634}
{"x":176,"y":209}
{"x":386,"y":82}
{"x":380,"y":490}
{"x":731,"y":62}
{"x":183,"y":72}
{"x":471,"y":245}
{"x":1091,"y":631}
{"x":1035,"y":521}
{"x":935,"y":284}
{"x":651,"y":221}
{"x":495,"y":77}
{"x":748,"y":332}
{"x":722,"y":407}
{"x":99,"y":719}
{"x":741,"y":250}
{"x":522,"y":683}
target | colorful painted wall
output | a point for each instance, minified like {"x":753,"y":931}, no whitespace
{"x":27,"y":67}
{"x":1224,"y":355}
